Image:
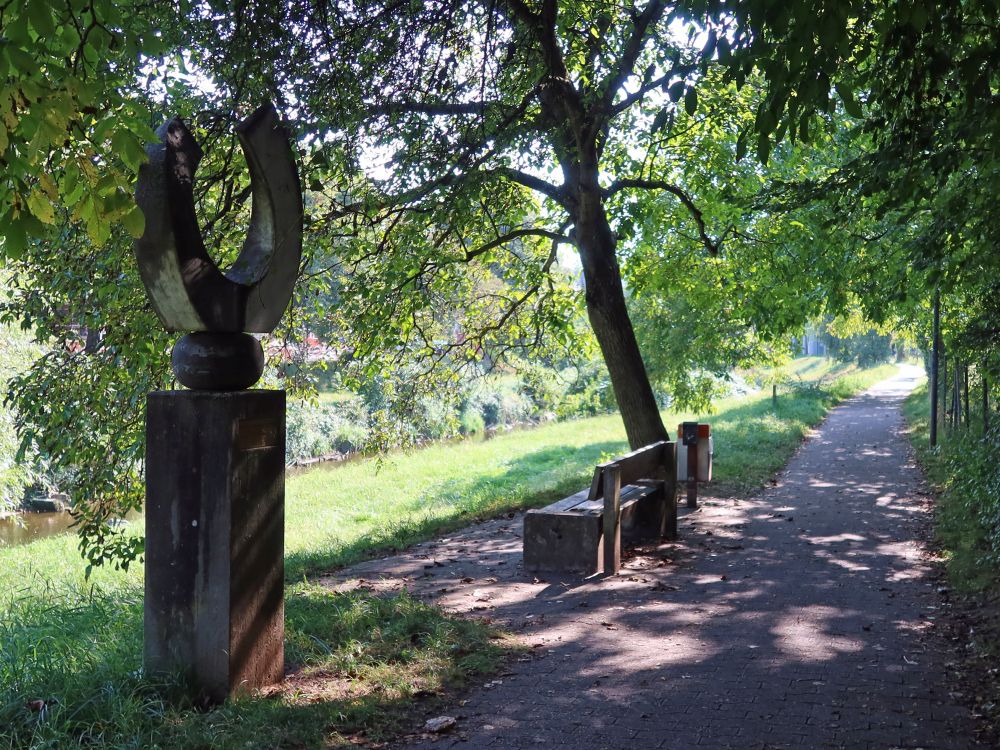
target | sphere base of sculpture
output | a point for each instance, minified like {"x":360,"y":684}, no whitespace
{"x":212,"y":361}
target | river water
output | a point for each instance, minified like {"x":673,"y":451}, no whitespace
{"x":24,"y":528}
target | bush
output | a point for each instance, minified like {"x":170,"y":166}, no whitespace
{"x":589,"y":392}
{"x":17,"y":473}
{"x":969,"y":514}
{"x":499,"y":402}
{"x":321,"y":429}
{"x":435,"y":418}
{"x":966,"y":476}
{"x":542,"y":386}
{"x":471,"y":422}
{"x":369,"y":419}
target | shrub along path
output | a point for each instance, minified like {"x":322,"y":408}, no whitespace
{"x":803,"y":618}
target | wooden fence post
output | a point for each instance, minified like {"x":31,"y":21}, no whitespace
{"x":935,"y":364}
{"x":944,"y":388}
{"x":966,"y":376}
{"x":986,"y":403}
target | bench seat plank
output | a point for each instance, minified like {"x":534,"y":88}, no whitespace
{"x":630,"y":494}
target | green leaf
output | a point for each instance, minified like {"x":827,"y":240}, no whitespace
{"x":98,"y":231}
{"x":741,"y":145}
{"x":135,"y":222}
{"x":41,"y":20}
{"x":21,"y":60}
{"x":804,"y":128}
{"x":691,"y":101}
{"x":676,"y":91}
{"x":128,"y":148}
{"x":17,"y":31}
{"x":660,"y":120}
{"x":851,"y":105}
{"x":725,"y":50}
{"x":14,"y":240}
{"x":709,"y":48}
{"x":767,"y":121}
{"x":763,"y":148}
{"x":41,"y":207}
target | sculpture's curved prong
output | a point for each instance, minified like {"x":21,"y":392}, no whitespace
{"x":186,"y":287}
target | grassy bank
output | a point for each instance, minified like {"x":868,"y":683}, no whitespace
{"x":75,"y":645}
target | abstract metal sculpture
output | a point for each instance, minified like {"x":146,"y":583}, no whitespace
{"x":214,"y":604}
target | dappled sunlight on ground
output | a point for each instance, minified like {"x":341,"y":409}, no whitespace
{"x":809,"y":634}
{"x":796,"y":619}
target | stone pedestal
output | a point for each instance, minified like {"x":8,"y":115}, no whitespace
{"x":215,"y":493}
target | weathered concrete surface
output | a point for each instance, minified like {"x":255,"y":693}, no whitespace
{"x":800,"y":619}
{"x":215,"y":538}
{"x":567,"y":536}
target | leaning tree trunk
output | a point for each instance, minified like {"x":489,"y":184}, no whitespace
{"x":613,"y":328}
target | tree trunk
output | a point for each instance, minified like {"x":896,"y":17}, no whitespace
{"x":612,"y":326}
{"x":956,"y":397}
{"x":575,"y":140}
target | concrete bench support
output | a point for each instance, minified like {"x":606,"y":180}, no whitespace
{"x":631,"y":499}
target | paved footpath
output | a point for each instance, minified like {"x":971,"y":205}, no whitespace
{"x":800,"y":619}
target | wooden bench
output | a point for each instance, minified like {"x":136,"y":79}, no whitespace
{"x":633,"y":497}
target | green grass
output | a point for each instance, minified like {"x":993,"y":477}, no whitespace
{"x":335,"y":397}
{"x":805,"y":372}
{"x":359,"y":658}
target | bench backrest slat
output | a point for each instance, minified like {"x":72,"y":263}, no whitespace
{"x":649,"y":462}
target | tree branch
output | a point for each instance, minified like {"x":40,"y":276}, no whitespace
{"x":503,"y":239}
{"x":522,"y":12}
{"x":541,"y":25}
{"x":618,"y":185}
{"x":649,"y":16}
{"x":556,"y":193}
{"x":630,"y":99}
